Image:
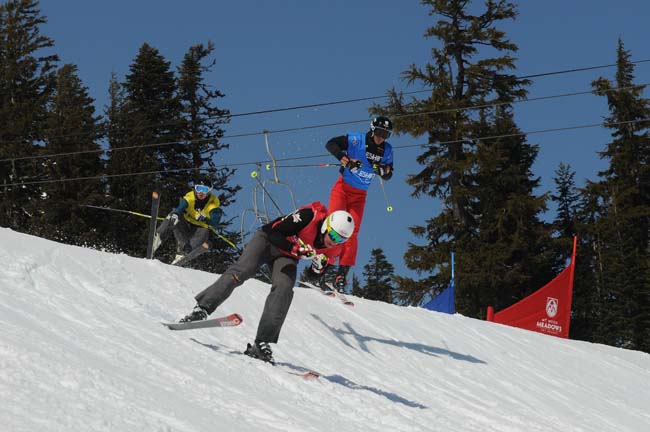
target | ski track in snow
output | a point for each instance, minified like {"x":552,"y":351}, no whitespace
{"x":82,"y":349}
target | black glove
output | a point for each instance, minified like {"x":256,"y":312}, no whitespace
{"x":352,"y":165}
{"x":201,"y":217}
{"x":381,"y":169}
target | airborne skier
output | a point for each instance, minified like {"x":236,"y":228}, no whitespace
{"x":362,"y":156}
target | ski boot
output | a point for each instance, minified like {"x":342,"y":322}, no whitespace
{"x":181,"y":252}
{"x":261,"y":351}
{"x":197,"y":314}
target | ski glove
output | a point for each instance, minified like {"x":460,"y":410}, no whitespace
{"x":201,"y":217}
{"x":381,"y":169}
{"x":352,"y":165}
{"x":173,"y":218}
{"x":318,"y":263}
{"x":303,"y":251}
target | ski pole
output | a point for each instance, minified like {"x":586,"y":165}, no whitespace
{"x":122,"y":211}
{"x":321,"y":165}
{"x":224,"y":238}
{"x":160,"y":218}
{"x":389,"y":208}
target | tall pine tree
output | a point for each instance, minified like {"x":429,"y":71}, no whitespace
{"x":510,"y":254}
{"x":148,"y":121}
{"x":72,"y":128}
{"x":496,"y":233}
{"x":26,"y":83}
{"x":623,"y":226}
{"x":201,"y":130}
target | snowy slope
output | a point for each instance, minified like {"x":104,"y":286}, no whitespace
{"x":81,"y":349}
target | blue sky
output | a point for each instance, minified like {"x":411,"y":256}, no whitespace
{"x":288,"y":53}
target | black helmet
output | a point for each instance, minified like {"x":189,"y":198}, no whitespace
{"x":381,"y":126}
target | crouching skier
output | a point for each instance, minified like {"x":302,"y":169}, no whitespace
{"x":197,"y":212}
{"x":308,"y":233}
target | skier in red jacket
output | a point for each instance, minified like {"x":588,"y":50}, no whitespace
{"x":308,"y":233}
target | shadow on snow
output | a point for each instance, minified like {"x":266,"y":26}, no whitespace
{"x":335,"y":379}
{"x":363,"y":343}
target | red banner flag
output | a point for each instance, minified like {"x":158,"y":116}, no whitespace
{"x":547,"y":310}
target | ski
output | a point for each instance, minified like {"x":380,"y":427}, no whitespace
{"x":344,"y":299}
{"x":226,"y":321}
{"x":288,"y":368}
{"x":199,"y":250}
{"x":305,"y":375}
{"x":317,"y":288}
{"x":155,"y":203}
{"x":329,"y":293}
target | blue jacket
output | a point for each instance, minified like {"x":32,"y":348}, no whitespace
{"x":357,"y":149}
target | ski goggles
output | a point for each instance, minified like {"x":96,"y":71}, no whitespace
{"x":381,"y":132}
{"x":202,"y":189}
{"x":333,"y":235}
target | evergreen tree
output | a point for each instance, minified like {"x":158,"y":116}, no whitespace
{"x":490,"y":216}
{"x":575,"y":216}
{"x":624,"y":223}
{"x":26,"y":83}
{"x":201,"y":130}
{"x":510,"y":255}
{"x":71,"y":127}
{"x":566,"y":198}
{"x":116,"y":133}
{"x":357,"y":290}
{"x":587,"y":310}
{"x":148,"y":120}
{"x":378,"y":274}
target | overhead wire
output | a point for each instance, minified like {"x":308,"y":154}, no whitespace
{"x":257,"y":163}
{"x":317,"y":126}
{"x":346,"y":101}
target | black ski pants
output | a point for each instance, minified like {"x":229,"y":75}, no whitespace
{"x":284,"y":270}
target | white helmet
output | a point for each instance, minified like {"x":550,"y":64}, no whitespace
{"x":341,"y":223}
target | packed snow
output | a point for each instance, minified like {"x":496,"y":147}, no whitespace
{"x":82,"y":349}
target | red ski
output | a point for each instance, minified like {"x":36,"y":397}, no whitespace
{"x":305,"y":375}
{"x":227,"y":321}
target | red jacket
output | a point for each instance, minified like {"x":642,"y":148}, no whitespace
{"x":311,"y":231}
